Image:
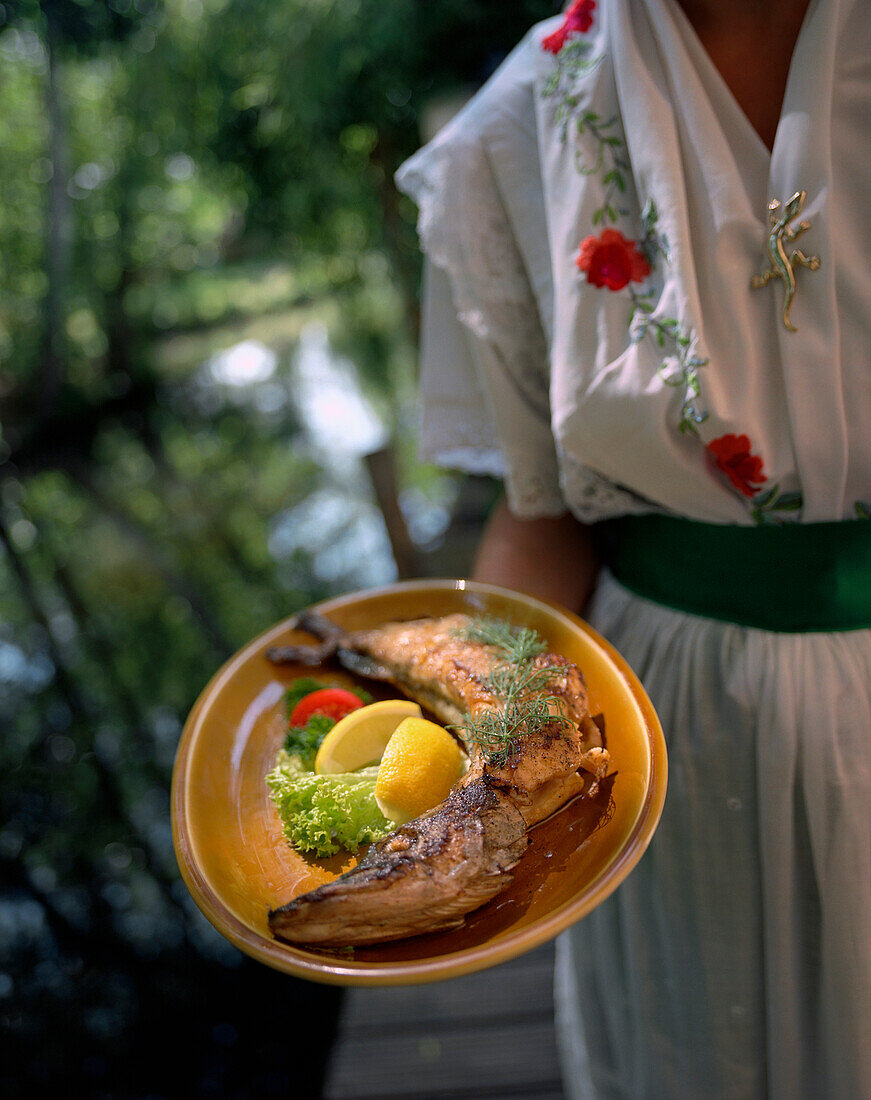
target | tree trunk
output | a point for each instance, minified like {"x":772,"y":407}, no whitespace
{"x":382,"y":471}
{"x":58,"y":228}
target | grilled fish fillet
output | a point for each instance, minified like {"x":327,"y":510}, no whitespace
{"x":428,"y":874}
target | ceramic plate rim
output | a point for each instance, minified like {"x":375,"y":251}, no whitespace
{"x":331,"y":970}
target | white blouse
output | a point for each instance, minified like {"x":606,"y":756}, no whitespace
{"x":594,"y":218}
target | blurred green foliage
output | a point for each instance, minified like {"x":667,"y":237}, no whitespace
{"x":181,"y":179}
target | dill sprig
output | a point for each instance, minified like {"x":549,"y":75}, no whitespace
{"x":518,"y":683}
{"x":518,"y":643}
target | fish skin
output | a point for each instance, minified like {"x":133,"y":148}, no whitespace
{"x":424,"y":877}
{"x":428,"y":874}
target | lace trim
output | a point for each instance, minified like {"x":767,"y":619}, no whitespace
{"x":471,"y":459}
{"x":531,"y":497}
{"x":592,"y":497}
{"x":464,"y":229}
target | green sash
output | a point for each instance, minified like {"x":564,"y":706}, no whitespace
{"x":794,"y":577}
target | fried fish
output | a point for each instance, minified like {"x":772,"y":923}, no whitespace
{"x":428,"y":874}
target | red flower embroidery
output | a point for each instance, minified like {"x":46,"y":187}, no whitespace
{"x":578,"y":20}
{"x":732,"y":455}
{"x":611,"y":260}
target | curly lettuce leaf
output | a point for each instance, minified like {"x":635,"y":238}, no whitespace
{"x":324,"y":813}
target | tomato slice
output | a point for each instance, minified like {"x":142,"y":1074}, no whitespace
{"x":333,"y":702}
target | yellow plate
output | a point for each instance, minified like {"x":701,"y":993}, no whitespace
{"x":237,"y":865}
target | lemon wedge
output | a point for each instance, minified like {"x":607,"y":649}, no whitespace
{"x":420,"y":765}
{"x":360,"y":737}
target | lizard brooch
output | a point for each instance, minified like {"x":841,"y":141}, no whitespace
{"x":782,"y":265}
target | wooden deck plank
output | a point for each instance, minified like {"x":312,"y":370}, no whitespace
{"x":518,"y":989}
{"x":489,"y":1034}
{"x":496,"y":1060}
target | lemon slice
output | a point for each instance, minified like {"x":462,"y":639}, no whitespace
{"x":360,"y":737}
{"x":420,"y":765}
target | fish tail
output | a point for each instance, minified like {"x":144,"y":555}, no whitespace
{"x":319,"y":625}
{"x":311,"y":622}
{"x":333,"y":642}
